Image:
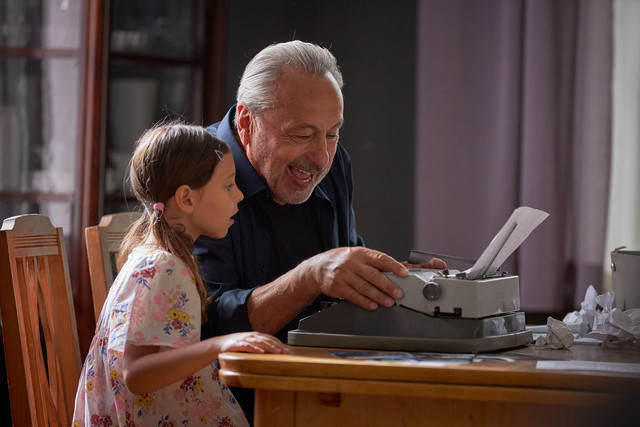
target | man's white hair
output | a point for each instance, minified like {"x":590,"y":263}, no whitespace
{"x":257,"y":85}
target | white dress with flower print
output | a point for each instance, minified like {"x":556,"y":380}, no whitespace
{"x":153,"y":301}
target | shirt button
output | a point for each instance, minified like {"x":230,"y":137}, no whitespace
{"x":264,"y":270}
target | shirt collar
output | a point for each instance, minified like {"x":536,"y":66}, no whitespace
{"x":248,"y":180}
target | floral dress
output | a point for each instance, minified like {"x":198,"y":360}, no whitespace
{"x":153,"y":301}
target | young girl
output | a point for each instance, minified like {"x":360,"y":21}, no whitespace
{"x":146,"y":365}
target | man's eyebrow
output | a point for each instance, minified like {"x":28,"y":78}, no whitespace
{"x":308,"y":126}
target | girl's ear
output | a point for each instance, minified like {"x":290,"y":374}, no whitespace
{"x":185,"y":199}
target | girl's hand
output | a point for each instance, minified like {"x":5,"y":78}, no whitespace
{"x":251,"y":342}
{"x":142,"y":363}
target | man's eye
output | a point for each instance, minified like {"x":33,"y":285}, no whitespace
{"x":304,"y":137}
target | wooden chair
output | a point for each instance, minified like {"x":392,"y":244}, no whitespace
{"x":103,"y":242}
{"x":38,"y":322}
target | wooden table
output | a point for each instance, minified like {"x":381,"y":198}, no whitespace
{"x":312,"y":387}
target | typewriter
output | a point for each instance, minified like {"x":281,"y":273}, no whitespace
{"x":471,"y":311}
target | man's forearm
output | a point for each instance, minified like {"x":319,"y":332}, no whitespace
{"x":275,"y":304}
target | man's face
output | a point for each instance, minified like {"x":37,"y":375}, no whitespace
{"x":292,"y":145}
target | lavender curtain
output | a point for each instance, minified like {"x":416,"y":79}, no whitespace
{"x":514,"y":108}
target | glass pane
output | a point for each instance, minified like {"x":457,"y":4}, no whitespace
{"x":53,"y":24}
{"x":139,"y":96}
{"x":39,"y":134}
{"x":164,"y":28}
{"x":60,"y":213}
{"x":113,"y":206}
{"x":9,"y":209}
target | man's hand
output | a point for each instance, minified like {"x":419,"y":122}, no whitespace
{"x":433,"y":263}
{"x":355,"y":274}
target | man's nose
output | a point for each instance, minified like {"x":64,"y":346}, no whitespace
{"x":319,"y":153}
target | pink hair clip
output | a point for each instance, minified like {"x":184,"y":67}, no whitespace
{"x":158,"y":206}
{"x":220,"y":155}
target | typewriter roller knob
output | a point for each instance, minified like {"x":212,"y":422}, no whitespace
{"x":431,"y":291}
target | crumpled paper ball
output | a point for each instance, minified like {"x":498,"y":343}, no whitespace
{"x":600,"y":320}
{"x":558,"y":335}
{"x":618,"y":327}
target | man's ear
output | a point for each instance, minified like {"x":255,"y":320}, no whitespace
{"x":185,"y":199}
{"x":244,"y":124}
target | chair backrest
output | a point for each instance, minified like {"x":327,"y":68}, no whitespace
{"x":103,"y":242}
{"x":38,"y":322}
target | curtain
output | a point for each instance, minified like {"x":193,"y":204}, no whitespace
{"x":623,"y":227}
{"x":514,"y":109}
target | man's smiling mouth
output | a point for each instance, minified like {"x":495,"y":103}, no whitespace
{"x":301,"y":175}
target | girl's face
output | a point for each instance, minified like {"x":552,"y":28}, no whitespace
{"x":217,"y":202}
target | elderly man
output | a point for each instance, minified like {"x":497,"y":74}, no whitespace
{"x":294,"y":243}
{"x":294,"y":240}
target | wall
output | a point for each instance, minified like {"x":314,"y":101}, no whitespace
{"x":374,"y":42}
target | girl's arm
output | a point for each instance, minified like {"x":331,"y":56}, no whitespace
{"x":148,"y":368}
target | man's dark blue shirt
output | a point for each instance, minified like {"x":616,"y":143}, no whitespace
{"x":268,"y":239}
